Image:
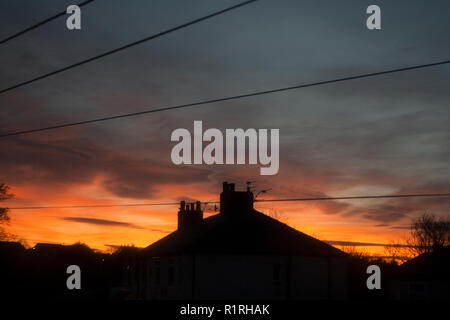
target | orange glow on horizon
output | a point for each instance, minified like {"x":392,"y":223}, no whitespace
{"x":141,"y":226}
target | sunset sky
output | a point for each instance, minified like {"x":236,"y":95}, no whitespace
{"x":383,"y":135}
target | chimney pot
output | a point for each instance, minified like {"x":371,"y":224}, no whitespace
{"x":189,"y":214}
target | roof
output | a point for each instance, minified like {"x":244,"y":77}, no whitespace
{"x":431,"y":265}
{"x":249,"y":233}
{"x":11,"y":246}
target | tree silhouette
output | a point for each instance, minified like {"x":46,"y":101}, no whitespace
{"x":428,"y":234}
{"x":4,"y":217}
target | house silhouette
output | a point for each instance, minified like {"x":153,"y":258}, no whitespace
{"x":239,"y":253}
{"x":424,"y":277}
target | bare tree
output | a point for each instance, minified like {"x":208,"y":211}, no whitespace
{"x":354,"y":252}
{"x":398,"y":251}
{"x":4,"y":217}
{"x":428,"y":234}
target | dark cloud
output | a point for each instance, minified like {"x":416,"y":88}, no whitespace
{"x":111,"y":223}
{"x":363,"y":244}
{"x":390,"y":131}
{"x":399,"y":210}
{"x":332,"y":207}
{"x":186,"y":198}
{"x":385,"y":216}
{"x":102,"y":222}
{"x":380,"y":225}
{"x":66,"y":162}
{"x":401,"y":228}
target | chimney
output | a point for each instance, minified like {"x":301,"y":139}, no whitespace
{"x":235,"y":202}
{"x":189,"y":215}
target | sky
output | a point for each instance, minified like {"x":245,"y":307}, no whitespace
{"x":381,"y":135}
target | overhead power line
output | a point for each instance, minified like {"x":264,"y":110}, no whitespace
{"x":37,"y":25}
{"x":204,"y":102}
{"x":160,"y":34}
{"x":98,"y":206}
{"x":257,"y":200}
{"x":358,"y":197}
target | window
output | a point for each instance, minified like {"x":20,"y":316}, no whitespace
{"x":276,"y":272}
{"x":171,"y":274}
{"x":180,"y":274}
{"x":276,"y":277}
{"x":156,"y":270}
{"x":157,"y":275}
{"x":149,"y":266}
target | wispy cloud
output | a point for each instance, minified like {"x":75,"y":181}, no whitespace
{"x":364,"y":244}
{"x":102,"y":222}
